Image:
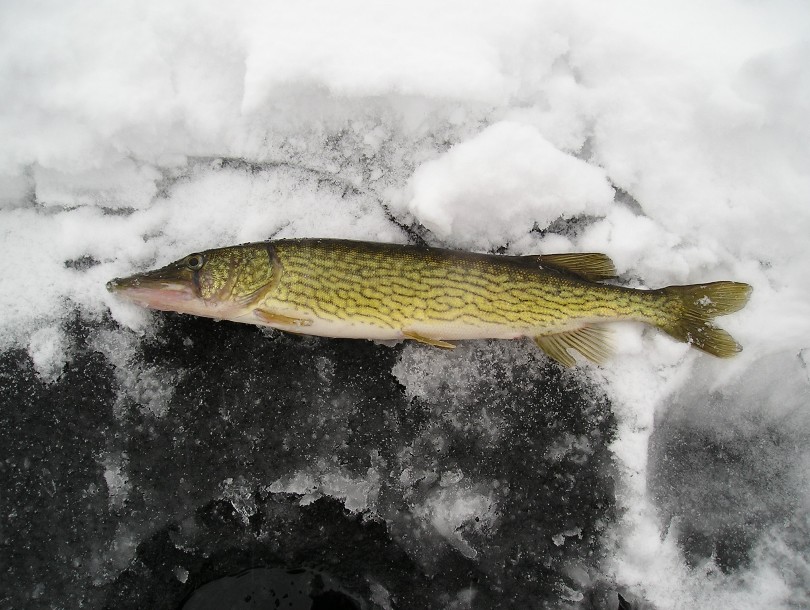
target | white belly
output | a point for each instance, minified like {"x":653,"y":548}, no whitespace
{"x":449,"y":331}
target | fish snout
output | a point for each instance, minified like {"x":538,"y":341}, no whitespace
{"x":119,"y":283}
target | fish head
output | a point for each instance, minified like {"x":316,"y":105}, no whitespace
{"x":221,"y":283}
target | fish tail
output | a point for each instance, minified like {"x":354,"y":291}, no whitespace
{"x":693,"y":309}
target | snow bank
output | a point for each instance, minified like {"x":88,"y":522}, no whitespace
{"x":510,"y":168}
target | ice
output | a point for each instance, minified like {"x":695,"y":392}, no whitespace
{"x":380,"y":596}
{"x":452,"y":506}
{"x":148,"y":388}
{"x":115,"y":475}
{"x":673,"y":136}
{"x":357,"y":493}
{"x":181,"y":573}
{"x":48,"y":352}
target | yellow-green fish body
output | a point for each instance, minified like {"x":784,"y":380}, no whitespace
{"x":352,"y":289}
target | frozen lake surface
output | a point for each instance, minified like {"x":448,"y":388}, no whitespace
{"x":163,"y":461}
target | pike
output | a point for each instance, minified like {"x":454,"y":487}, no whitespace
{"x":366,"y":290}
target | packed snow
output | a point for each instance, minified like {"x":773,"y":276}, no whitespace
{"x":672,"y":136}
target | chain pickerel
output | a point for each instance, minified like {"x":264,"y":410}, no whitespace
{"x":365,"y":290}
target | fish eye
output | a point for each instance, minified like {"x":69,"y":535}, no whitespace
{"x":195,"y":262}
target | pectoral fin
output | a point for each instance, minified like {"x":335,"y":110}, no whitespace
{"x":277,"y":319}
{"x":593,"y":342}
{"x":422,"y":339}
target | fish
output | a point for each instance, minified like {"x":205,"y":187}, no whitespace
{"x":381,"y":291}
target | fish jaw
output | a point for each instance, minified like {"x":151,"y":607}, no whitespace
{"x":168,"y":292}
{"x":153,"y":293}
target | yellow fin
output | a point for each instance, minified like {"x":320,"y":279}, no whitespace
{"x":275,"y":319}
{"x":591,"y":266}
{"x":422,"y":339}
{"x":593,"y":342}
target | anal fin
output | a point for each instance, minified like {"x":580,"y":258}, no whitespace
{"x":423,"y":339}
{"x":276,"y":319}
{"x":593,"y":342}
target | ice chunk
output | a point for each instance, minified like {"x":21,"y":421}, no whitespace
{"x":240,"y":494}
{"x":510,"y":167}
{"x":117,"y":479}
{"x":48,"y":350}
{"x":357,"y":493}
{"x":453,"y":506}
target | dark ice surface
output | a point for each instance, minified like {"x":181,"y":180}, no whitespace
{"x":146,"y":480}
{"x":728,"y":470}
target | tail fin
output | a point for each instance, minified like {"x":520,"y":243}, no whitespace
{"x":696,"y":306}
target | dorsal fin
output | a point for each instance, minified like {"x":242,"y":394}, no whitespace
{"x":591,"y":266}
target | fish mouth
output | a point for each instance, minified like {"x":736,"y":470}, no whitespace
{"x":155,"y":291}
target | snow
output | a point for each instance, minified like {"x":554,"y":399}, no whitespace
{"x":507,"y":162}
{"x":48,"y":351}
{"x":673,"y":136}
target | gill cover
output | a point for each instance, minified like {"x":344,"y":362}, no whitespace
{"x":233,"y":274}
